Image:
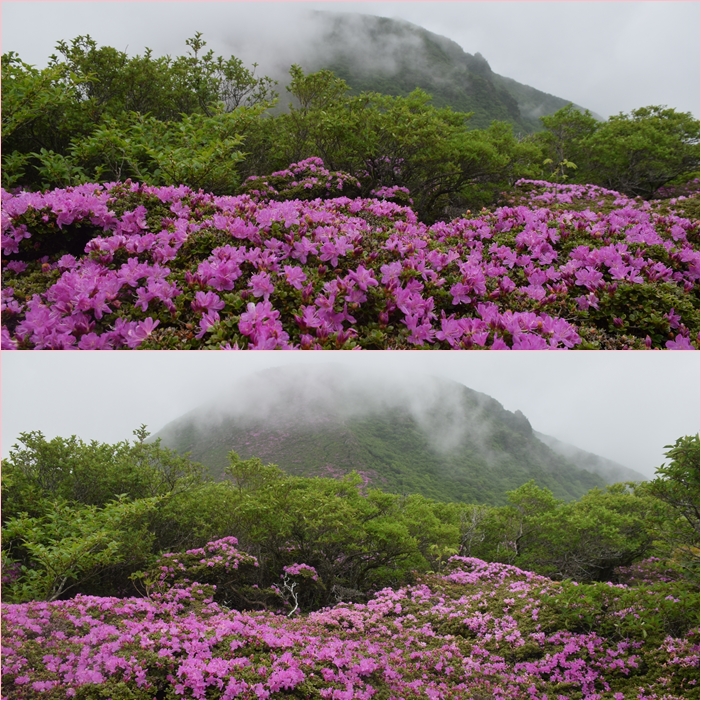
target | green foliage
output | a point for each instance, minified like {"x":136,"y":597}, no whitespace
{"x":641,"y":309}
{"x":634,"y":153}
{"x":91,"y":473}
{"x":421,"y":59}
{"x":28,"y":95}
{"x":584,"y":539}
{"x":97,"y":114}
{"x":562,"y":142}
{"x":677,"y":485}
{"x":84,"y":517}
{"x":397,"y":455}
{"x":190,"y":518}
{"x":644,"y":150}
{"x":163,"y":87}
{"x":326,"y":524}
{"x":649,"y":612}
{"x":199,"y":150}
{"x":385,"y":140}
{"x":70,"y":544}
{"x":251,"y":474}
{"x":587,"y":539}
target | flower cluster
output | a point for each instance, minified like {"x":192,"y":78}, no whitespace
{"x":485,"y":630}
{"x":678,"y":191}
{"x":646,"y":571}
{"x":301,"y":570}
{"x":304,"y":180}
{"x":132,"y":266}
{"x":204,"y":564}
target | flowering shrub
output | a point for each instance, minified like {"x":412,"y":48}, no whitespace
{"x":292,"y":577}
{"x":302,"y":571}
{"x":124,"y":265}
{"x":486,"y":630}
{"x":305,"y":180}
{"x":219,"y":564}
{"x":647,"y":571}
{"x":688,"y":189}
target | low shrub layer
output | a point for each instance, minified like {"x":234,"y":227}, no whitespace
{"x":480,"y":631}
{"x":124,"y":265}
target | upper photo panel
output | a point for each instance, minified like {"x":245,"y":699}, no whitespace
{"x":331,"y":176}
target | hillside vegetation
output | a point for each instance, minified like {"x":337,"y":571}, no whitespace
{"x":425,"y":436}
{"x":128,"y":574}
{"x":394,"y":57}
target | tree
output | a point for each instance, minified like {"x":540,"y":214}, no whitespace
{"x":387,"y":141}
{"x":587,"y":539}
{"x":638,"y":153}
{"x":97,"y":114}
{"x":583,"y":540}
{"x":200,"y":151}
{"x":251,"y":474}
{"x":563,"y":144}
{"x":28,"y":95}
{"x":677,"y":485}
{"x":91,"y":473}
{"x":70,"y":545}
{"x":528,"y":504}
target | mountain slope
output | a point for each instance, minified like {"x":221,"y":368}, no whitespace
{"x":395,"y":57}
{"x":429,"y":436}
{"x":608,"y":469}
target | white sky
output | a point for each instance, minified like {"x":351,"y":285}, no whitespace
{"x":609,"y":57}
{"x":622,"y":405}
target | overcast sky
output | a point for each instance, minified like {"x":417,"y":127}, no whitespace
{"x":625,"y":406}
{"x":609,"y":57}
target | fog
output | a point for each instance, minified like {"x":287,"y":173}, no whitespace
{"x":609,"y":57}
{"x":329,"y":393}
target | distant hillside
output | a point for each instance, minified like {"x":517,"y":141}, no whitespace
{"x":436,"y":438}
{"x":608,"y":469}
{"x":395,"y":57}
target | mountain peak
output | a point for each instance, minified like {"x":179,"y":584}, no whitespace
{"x":393,"y":56}
{"x":420,"y":434}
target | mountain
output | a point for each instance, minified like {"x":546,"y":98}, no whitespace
{"x":420,"y":435}
{"x":608,"y":469}
{"x":394,"y":57}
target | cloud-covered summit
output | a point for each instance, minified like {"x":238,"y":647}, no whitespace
{"x":418,"y":433}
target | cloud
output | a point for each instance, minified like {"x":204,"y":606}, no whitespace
{"x":314,"y":396}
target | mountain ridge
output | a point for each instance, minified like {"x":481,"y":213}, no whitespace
{"x":590,"y":461}
{"x":398,"y":56}
{"x":431,"y":436}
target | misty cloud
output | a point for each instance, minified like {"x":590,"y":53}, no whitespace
{"x":625,"y":406}
{"x":313,"y":396}
{"x":372,"y":45}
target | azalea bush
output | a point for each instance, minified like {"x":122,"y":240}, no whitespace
{"x":127,"y":265}
{"x":480,"y":631}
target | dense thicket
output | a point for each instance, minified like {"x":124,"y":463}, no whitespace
{"x":83,"y":517}
{"x":97,"y":115}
